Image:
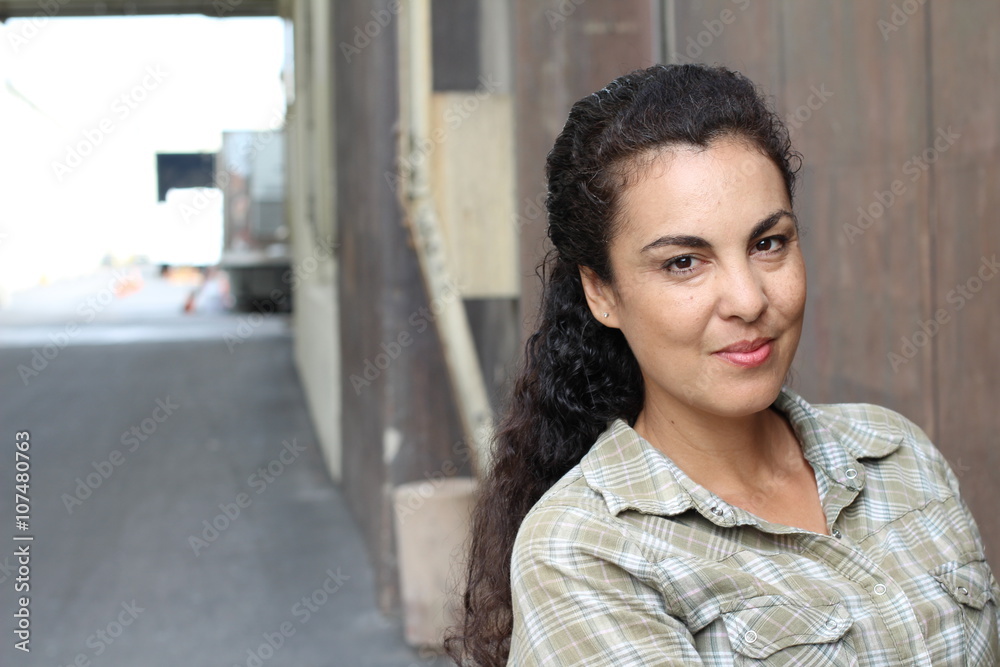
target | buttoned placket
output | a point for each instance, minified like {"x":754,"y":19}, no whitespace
{"x":841,"y":554}
{"x":885,"y":595}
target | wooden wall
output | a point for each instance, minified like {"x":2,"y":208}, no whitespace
{"x":866,"y":90}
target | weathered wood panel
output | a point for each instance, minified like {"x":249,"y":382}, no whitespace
{"x":865,"y":216}
{"x":964,"y":248}
{"x":742,"y":35}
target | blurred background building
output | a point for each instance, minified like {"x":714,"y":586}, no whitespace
{"x":413,"y":150}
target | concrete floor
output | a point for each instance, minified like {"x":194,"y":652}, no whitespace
{"x":115,"y":577}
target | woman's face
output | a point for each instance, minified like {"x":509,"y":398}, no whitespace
{"x":709,"y":283}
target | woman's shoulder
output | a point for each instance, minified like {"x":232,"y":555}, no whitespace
{"x":569,"y":505}
{"x":875,"y":431}
{"x":570,"y":530}
{"x":876,"y":418}
{"x":577,"y":509}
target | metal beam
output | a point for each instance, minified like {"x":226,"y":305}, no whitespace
{"x":68,"y":8}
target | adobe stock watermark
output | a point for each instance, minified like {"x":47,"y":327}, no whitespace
{"x":28,"y":29}
{"x":88,"y":311}
{"x":419,"y":321}
{"x":714,"y":28}
{"x":277,"y":298}
{"x":123,"y":106}
{"x":914,"y":168}
{"x":102,"y":638}
{"x":248,"y":324}
{"x":381,"y":18}
{"x":802,"y":113}
{"x":454,"y":116}
{"x":131,"y":440}
{"x":556,"y":17}
{"x":958,"y":297}
{"x":898,"y":17}
{"x":302,"y":612}
{"x":258,"y":481}
{"x":532,"y":210}
{"x":6,"y":569}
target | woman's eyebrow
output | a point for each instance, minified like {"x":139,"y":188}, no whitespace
{"x":688,"y":241}
{"x":770,"y":221}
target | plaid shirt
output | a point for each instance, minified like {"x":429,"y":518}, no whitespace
{"x":627,"y":561}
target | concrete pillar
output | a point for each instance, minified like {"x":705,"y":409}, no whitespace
{"x":432,"y":527}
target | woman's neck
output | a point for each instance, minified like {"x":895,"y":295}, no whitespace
{"x":728,"y":455}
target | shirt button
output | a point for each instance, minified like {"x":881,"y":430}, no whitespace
{"x":962,"y":590}
{"x":831,"y":624}
{"x":879,"y":589}
{"x":836,"y":533}
{"x":717,"y":512}
{"x":750,"y":637}
{"x":851,"y":473}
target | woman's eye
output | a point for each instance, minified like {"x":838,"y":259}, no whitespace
{"x":770,"y":244}
{"x":681,"y":264}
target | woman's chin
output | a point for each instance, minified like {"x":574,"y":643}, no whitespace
{"x":740,"y":398}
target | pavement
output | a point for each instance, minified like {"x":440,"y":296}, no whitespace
{"x":180,"y":510}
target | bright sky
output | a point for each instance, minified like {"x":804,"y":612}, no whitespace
{"x":119,"y":90}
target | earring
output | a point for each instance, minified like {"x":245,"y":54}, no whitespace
{"x":606,"y":314}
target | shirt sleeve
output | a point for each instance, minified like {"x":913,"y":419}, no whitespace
{"x":583,"y":594}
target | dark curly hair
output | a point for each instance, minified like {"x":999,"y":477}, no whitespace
{"x":578,"y":375}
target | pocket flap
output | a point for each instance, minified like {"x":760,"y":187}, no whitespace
{"x":968,"y":583}
{"x":759,"y":627}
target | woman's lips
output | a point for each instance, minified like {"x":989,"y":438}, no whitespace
{"x":748,"y":355}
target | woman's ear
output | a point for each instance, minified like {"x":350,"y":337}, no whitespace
{"x":600,"y":298}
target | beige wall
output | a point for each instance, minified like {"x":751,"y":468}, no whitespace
{"x":313,"y":228}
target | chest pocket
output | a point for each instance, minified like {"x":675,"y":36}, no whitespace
{"x":972,"y":586}
{"x":776,"y":630}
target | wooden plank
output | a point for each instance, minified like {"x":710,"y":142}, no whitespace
{"x":455,"y":44}
{"x":472,"y":163}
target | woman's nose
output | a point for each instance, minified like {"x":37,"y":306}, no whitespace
{"x":741,"y":294}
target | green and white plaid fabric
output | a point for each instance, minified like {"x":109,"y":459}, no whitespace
{"x":627,"y":561}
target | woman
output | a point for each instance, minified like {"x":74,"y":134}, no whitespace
{"x":685,"y":507}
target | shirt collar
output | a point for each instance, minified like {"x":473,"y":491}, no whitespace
{"x":631,"y":474}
